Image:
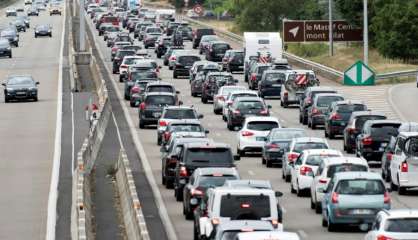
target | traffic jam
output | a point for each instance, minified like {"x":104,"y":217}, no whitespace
{"x":153,"y":53}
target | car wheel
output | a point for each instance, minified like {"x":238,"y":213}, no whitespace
{"x":35,"y":99}
{"x":169,"y":184}
{"x":318,"y":208}
{"x":229,"y":125}
{"x":163,"y":179}
{"x":331,"y":226}
{"x":324,"y":222}
{"x":223,"y":118}
{"x":288,"y":178}
{"x":331,"y":135}
{"x":263,"y":160}
{"x":6,"y":99}
{"x":132,"y":104}
{"x":10,"y":56}
{"x":292,"y":190}
{"x":401,"y":190}
{"x":269,"y":164}
{"x":179,"y":195}
{"x":393,"y":186}
{"x":50,"y":35}
{"x":326,"y":133}
{"x":304,"y":120}
{"x":313,"y":125}
{"x":300,"y":118}
{"x":17,"y":44}
{"x":241,"y":153}
{"x":195,"y":234}
{"x":174,"y":75}
{"x":387,"y":176}
{"x":158,"y":55}
{"x":170,"y":67}
{"x":159,"y":141}
{"x":141,"y":124}
{"x":299,"y":192}
{"x":204,"y":100}
{"x":312,"y":204}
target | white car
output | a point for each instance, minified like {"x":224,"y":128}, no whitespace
{"x":11,"y":12}
{"x":296,"y":147}
{"x":232,"y":96}
{"x":394,"y":224}
{"x":326,"y":170}
{"x":404,"y":164}
{"x":126,"y":62}
{"x":220,"y":96}
{"x":253,"y":133}
{"x":267,"y":235}
{"x":91,"y":7}
{"x":303,"y":169}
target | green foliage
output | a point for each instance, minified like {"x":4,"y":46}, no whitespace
{"x":307,"y":50}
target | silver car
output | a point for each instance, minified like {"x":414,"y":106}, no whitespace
{"x":220,"y":97}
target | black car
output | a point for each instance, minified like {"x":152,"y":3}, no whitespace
{"x":387,"y":158}
{"x":235,"y":61}
{"x":11,"y":35}
{"x":374,"y":138}
{"x":150,"y":39}
{"x":307,"y":100}
{"x":271,"y":83}
{"x":338,"y":115}
{"x":43,"y":30}
{"x":216,"y":50}
{"x":196,"y":85}
{"x":5,"y":49}
{"x":161,"y":45}
{"x":20,"y":25}
{"x":205,"y":41}
{"x":20,"y":87}
{"x":137,"y":91}
{"x":243,"y":107}
{"x":183,"y":64}
{"x":105,"y":27}
{"x":138,"y":75}
{"x":214,"y":81}
{"x":255,"y":74}
{"x":355,"y":125}
{"x":198,"y":33}
{"x":172,"y":26}
{"x":200,"y":155}
{"x":151,"y":108}
{"x":117,"y":60}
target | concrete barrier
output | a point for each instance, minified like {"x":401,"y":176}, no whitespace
{"x":136,"y":228}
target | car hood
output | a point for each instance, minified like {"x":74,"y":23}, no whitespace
{"x":20,"y":86}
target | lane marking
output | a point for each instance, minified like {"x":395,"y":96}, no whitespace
{"x":303,"y":234}
{"x":251,"y":173}
{"x":53,"y":190}
{"x":117,"y":130}
{"x":72,"y":134}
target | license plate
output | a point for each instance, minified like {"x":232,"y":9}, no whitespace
{"x":21,"y":93}
{"x":241,"y":67}
{"x":260,"y":139}
{"x":381,"y":149}
{"x":362,"y":211}
{"x":188,"y":67}
{"x":157,"y":114}
{"x":276,"y":85}
{"x":384,"y":144}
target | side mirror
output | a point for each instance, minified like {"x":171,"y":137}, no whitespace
{"x":389,"y":189}
{"x":37,"y":83}
{"x":177,"y":92}
{"x":237,"y":157}
{"x":236,"y":80}
{"x":160,"y":67}
{"x":163,"y":149}
{"x":206,"y":131}
{"x":278,"y":194}
{"x":200,"y":116}
{"x":269,"y":106}
{"x":3,"y":84}
{"x":180,"y":102}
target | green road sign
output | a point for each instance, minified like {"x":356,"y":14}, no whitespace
{"x":359,"y":74}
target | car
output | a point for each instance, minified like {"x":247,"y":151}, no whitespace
{"x":18,"y":87}
{"x":184,"y":127}
{"x":183,"y":63}
{"x":174,"y":113}
{"x":10,"y":34}
{"x":196,"y":85}
{"x":297,"y":81}
{"x":354,"y":198}
{"x":136,"y":48}
{"x":55,"y":8}
{"x":19,"y":24}
{"x":374,"y":138}
{"x":141,"y":26}
{"x":355,"y":125}
{"x":230,"y":230}
{"x":172,"y":26}
{"x":116,"y":47}
{"x":307,"y":100}
{"x":394,"y":224}
{"x":25,"y":19}
{"x":11,"y":12}
{"x":220,"y":96}
{"x":244,"y":107}
{"x":234,"y":62}
{"x":204,"y":42}
{"x":320,"y":107}
{"x":255,"y":73}
{"x":143,"y":70}
{"x":230,"y":98}
{"x":107,"y":27}
{"x":247,"y":66}
{"x":5,"y":48}
{"x":163,"y":87}
{"x":199,"y":155}
{"x":28,"y":2}
{"x":404,"y":167}
{"x":43,"y":30}
{"x":162,"y":45}
{"x":119,"y":58}
{"x":198,"y":33}
{"x":151,"y":107}
{"x":123,"y":37}
{"x":135,"y":94}
{"x":336,"y":118}
{"x":214,"y":81}
{"x":271,"y":83}
{"x":150,"y":39}
{"x":296,"y":146}
{"x":197,"y":67}
{"x":276,"y":144}
{"x":168,"y":53}
{"x":201,"y":180}
{"x":303,"y":169}
{"x":262,"y":235}
{"x":185,"y":31}
{"x":408,"y":127}
{"x":206,"y":68}
{"x":173,"y":57}
{"x":215,"y":50}
{"x":33,"y":11}
{"x":253,"y":133}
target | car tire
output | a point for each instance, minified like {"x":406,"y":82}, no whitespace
{"x":158,"y":55}
{"x":326,"y":133}
{"x":159,"y":141}
{"x":10,"y":56}
{"x":312,"y":204}
{"x":269,"y":164}
{"x":178,"y":195}
{"x":141,"y":124}
{"x":288,"y":178}
{"x":241,"y":153}
{"x":304,"y":120}
{"x":292,"y":190}
{"x":393,"y":187}
{"x":223,"y":118}
{"x":313,"y":125}
{"x":263,"y":160}
{"x":401,"y":190}
{"x":120,"y":78}
{"x":217,"y":111}
{"x":35,"y":99}
{"x":163,"y":179}
{"x":204,"y":100}
{"x":331,"y":226}
{"x":36,"y":36}
{"x":132,"y":104}
{"x":324,"y":222}
{"x":318,"y":208}
{"x":299,"y":192}
{"x":331,"y":135}
{"x":6,"y":99}
{"x":300,"y":118}
{"x":388,"y":178}
{"x":170,"y":67}
{"x":50,"y":35}
{"x":17,"y":44}
{"x":174,"y":74}
{"x":229,"y":126}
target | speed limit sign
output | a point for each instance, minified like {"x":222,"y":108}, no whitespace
{"x":198,"y":9}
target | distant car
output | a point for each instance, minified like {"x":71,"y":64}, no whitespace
{"x":244,"y":107}
{"x":55,"y":8}
{"x":230,"y":98}
{"x":28,"y":2}
{"x":271,"y":83}
{"x":20,"y":25}
{"x":198,"y":33}
{"x":150,"y":110}
{"x":307,"y":100}
{"x":33,"y":11}
{"x":5,"y":48}
{"x":204,"y":42}
{"x":25,"y":19}
{"x":214,"y":81}
{"x":117,"y":61}
{"x":116,"y":47}
{"x":183,"y":63}
{"x":137,"y":91}
{"x":12,"y":35}
{"x":216,"y":50}
{"x":255,"y":73}
{"x":188,"y":127}
{"x":230,"y":230}
{"x":11,"y":12}
{"x":354,"y":198}
{"x":320,"y":107}
{"x":150,"y":39}
{"x":43,"y":30}
{"x":20,"y":87}
{"x":233,"y":61}
{"x":128,"y":59}
{"x":219,"y":98}
{"x":394,"y":224}
{"x":162,"y":45}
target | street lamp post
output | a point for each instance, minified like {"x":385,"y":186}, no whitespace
{"x":331,"y":37}
{"x":365,"y":33}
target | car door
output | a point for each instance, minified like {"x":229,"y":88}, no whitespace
{"x":294,"y":169}
{"x":397,"y":158}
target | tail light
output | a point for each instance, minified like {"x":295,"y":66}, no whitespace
{"x":386,"y":198}
{"x":367,"y":141}
{"x":264,"y":112}
{"x":383,"y":237}
{"x":308,"y":101}
{"x":173,"y":58}
{"x":304,"y":171}
{"x":275,"y":223}
{"x":142,"y":106}
{"x":286,"y":94}
{"x":336,"y":117}
{"x":135,"y":89}
{"x":114,"y":49}
{"x":220,"y":98}
{"x":245,"y":205}
{"x":123,"y":66}
{"x":351,"y":130}
{"x":253,"y":77}
{"x":322,"y":180}
{"x":334,"y":197}
{"x":404,"y":167}
{"x":247,"y":133}
{"x":315,"y":111}
{"x":272,"y":145}
{"x":292,"y":156}
{"x":197,"y":192}
{"x":215,"y":221}
{"x":162,"y":123}
{"x":183,"y":171}
{"x":389,"y":156}
{"x":236,"y":112}
{"x":167,"y":135}
{"x":229,"y":103}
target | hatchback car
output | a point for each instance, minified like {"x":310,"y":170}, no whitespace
{"x":271,"y":83}
{"x":12,"y":35}
{"x":255,"y":73}
{"x":307,"y":100}
{"x":214,"y":81}
{"x":244,"y":107}
{"x":151,"y":107}
{"x":215,"y":50}
{"x":235,"y":61}
{"x":183,"y":63}
{"x":204,"y":42}
{"x":320,"y":107}
{"x":118,"y":59}
{"x":20,"y":87}
{"x":230,"y":98}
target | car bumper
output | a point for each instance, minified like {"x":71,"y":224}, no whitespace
{"x":318,"y":119}
{"x":408,"y":179}
{"x":22,"y":95}
{"x":273,"y":92}
{"x":305,"y":182}
{"x":182,"y":72}
{"x":218,"y":105}
{"x":372,"y":154}
{"x":337,"y":128}
{"x":336,"y":216}
{"x":250,"y":144}
{"x":5,"y":53}
{"x":273,"y":156}
{"x":43,"y":33}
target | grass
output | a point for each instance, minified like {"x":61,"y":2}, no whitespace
{"x":226,"y":25}
{"x":396,"y":80}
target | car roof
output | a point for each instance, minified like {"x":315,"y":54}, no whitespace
{"x":408,"y":134}
{"x":244,"y":91}
{"x":261,"y":119}
{"x":159,"y":94}
{"x":270,"y":235}
{"x":184,"y":121}
{"x":321,"y":151}
{"x":328,"y":95}
{"x":206,"y":145}
{"x":367,"y":113}
{"x":246,"y":98}
{"x":401,"y":213}
{"x":357,"y":175}
{"x":184,"y":139}
{"x":309,"y":139}
{"x":157,"y":83}
{"x":220,"y":73}
{"x":344,"y":159}
{"x":181,"y":107}
{"x":244,"y":225}
{"x":216,"y":170}
{"x":248,"y":183}
{"x":241,"y":190}
{"x":371,"y":122}
{"x":219,"y":42}
{"x":349,"y":102}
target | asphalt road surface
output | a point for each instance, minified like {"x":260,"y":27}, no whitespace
{"x":27,"y":131}
{"x":404,"y":99}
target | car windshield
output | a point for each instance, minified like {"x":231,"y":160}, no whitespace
{"x":345,"y":168}
{"x":122,"y":54}
{"x":188,"y":60}
{"x":326,"y":101}
{"x":385,"y":129}
{"x":7,"y":33}
{"x":315,"y":160}
{"x":153,"y":30}
{"x":186,"y":128}
{"x":208,"y":156}
{"x":245,"y":207}
{"x":124,"y":39}
{"x":275,"y":78}
{"x":160,"y":100}
{"x":143,"y":74}
{"x":276,"y":135}
{"x":262,"y":125}
{"x":362,"y":119}
{"x":261,"y":69}
{"x":160,"y":88}
{"x":402,"y":225}
{"x":20,"y":81}
{"x":129,"y":61}
{"x":250,"y":105}
{"x":214,"y":180}
{"x":179,"y":114}
{"x":348,"y":108}
{"x":299,"y":147}
{"x":360,"y":187}
{"x":220,"y":47}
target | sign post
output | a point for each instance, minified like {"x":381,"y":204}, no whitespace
{"x":359,"y":74}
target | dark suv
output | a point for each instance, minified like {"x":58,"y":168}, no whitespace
{"x":198,"y":33}
{"x":216,"y":50}
{"x":214,"y":81}
{"x":244,"y":107}
{"x":355,"y":125}
{"x":374,"y":138}
{"x":183,"y":64}
{"x":307,"y":100}
{"x":172,"y":26}
{"x":151,"y":108}
{"x":162,"y":45}
{"x":200,"y":155}
{"x":235,"y":61}
{"x":271,"y":83}
{"x":255,"y":74}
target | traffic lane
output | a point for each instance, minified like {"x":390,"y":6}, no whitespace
{"x":402,"y":94}
{"x":28,"y":134}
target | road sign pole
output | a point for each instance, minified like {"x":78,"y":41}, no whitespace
{"x":331,"y":36}
{"x":365,"y":33}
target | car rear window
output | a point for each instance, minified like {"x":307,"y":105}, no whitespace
{"x":160,"y":100}
{"x":348,"y":108}
{"x":345,"y":168}
{"x":275,"y":78}
{"x":179,"y":114}
{"x":250,"y":105}
{"x":220,"y":47}
{"x":315,"y":160}
{"x":384,"y":129}
{"x":326,"y":101}
{"x":124,"y":39}
{"x":243,"y":95}
{"x":208,"y":156}
{"x":362,"y":119}
{"x":262,"y":125}
{"x":261,"y":69}
{"x":299,"y":147}
{"x":153,"y":30}
{"x":188,"y":60}
{"x":360,"y":187}
{"x":412,"y":149}
{"x":160,"y":88}
{"x":227,"y":90}
{"x":244,"y":207}
{"x":402,"y":225}
{"x":214,"y":180}
{"x":186,"y":128}
{"x":143,"y":75}
{"x":288,"y":134}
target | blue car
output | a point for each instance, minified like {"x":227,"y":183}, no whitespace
{"x":354,"y":198}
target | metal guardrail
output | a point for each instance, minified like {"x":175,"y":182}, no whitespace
{"x":407,"y":73}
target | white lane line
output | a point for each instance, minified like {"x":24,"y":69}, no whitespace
{"x":303,"y":234}
{"x":72,"y":134}
{"x":53,"y":190}
{"x":117,"y":130}
{"x":251,"y":173}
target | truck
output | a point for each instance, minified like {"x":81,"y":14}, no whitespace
{"x":295,"y":84}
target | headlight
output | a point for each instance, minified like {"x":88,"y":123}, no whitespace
{"x":33,"y":89}
{"x":49,"y":30}
{"x":15,"y":38}
{"x":37,"y":31}
{"x":9,"y":48}
{"x":9,"y":89}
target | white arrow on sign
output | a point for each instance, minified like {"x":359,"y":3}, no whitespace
{"x":294,"y":31}
{"x":365,"y":74}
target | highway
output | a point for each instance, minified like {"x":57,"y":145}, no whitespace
{"x":27,"y":131}
{"x":298,"y":216}
{"x":400,"y":96}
